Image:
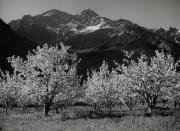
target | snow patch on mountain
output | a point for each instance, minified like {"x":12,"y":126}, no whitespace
{"x":101,"y":25}
{"x":177,"y":42}
{"x":48,"y":14}
{"x":73,"y":26}
{"x":178,"y":30}
{"x":74,"y":30}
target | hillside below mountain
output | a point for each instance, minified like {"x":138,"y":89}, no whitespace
{"x":12,"y":44}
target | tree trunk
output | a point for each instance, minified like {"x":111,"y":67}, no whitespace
{"x":130,"y":104}
{"x":23,"y":108}
{"x":36,"y":108}
{"x":6,"y":110}
{"x":164,"y":103}
{"x":47,"y":108}
{"x":130,"y":108}
{"x":61,"y":108}
{"x":57,"y":109}
{"x":150,"y":110}
{"x":154,"y":101}
{"x":151,"y":105}
{"x":6,"y":107}
{"x":97,"y":109}
{"x":151,"y":101}
{"x":143,"y":102}
{"x":175,"y":105}
{"x":110,"y":111}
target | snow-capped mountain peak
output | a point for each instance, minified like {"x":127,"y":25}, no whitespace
{"x":88,"y":13}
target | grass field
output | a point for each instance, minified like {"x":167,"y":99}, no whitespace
{"x":163,"y":119}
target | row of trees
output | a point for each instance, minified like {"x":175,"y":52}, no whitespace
{"x":49,"y":77}
{"x":148,"y":79}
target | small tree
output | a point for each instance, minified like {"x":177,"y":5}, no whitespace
{"x":9,"y":88}
{"x":49,"y":73}
{"x":103,"y":88}
{"x":152,"y":78}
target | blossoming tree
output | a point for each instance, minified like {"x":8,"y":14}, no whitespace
{"x":103,"y":88}
{"x":9,"y":88}
{"x":50,"y":75}
{"x":152,"y":78}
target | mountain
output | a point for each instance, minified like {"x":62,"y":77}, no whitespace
{"x":94,"y":37}
{"x":12,"y":44}
{"x":55,"y":25}
{"x":89,"y":30}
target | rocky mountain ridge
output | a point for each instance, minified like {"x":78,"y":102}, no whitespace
{"x":56,"y":26}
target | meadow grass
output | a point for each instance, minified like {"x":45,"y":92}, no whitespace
{"x":32,"y":120}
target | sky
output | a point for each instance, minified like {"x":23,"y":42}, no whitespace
{"x":148,"y":13}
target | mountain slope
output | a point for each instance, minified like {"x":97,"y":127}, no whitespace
{"x":12,"y":44}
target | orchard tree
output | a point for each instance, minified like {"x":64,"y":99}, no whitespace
{"x":103,"y":88}
{"x":152,"y":78}
{"x":50,"y":75}
{"x":9,"y":88}
{"x":72,"y":92}
{"x":130,"y":98}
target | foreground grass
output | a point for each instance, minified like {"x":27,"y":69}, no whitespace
{"x":34,"y":121}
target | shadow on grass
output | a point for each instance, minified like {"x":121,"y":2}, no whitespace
{"x":88,"y":113}
{"x":159,"y":111}
{"x":163,"y":111}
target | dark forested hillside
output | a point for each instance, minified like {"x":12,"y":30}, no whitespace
{"x":12,"y":44}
